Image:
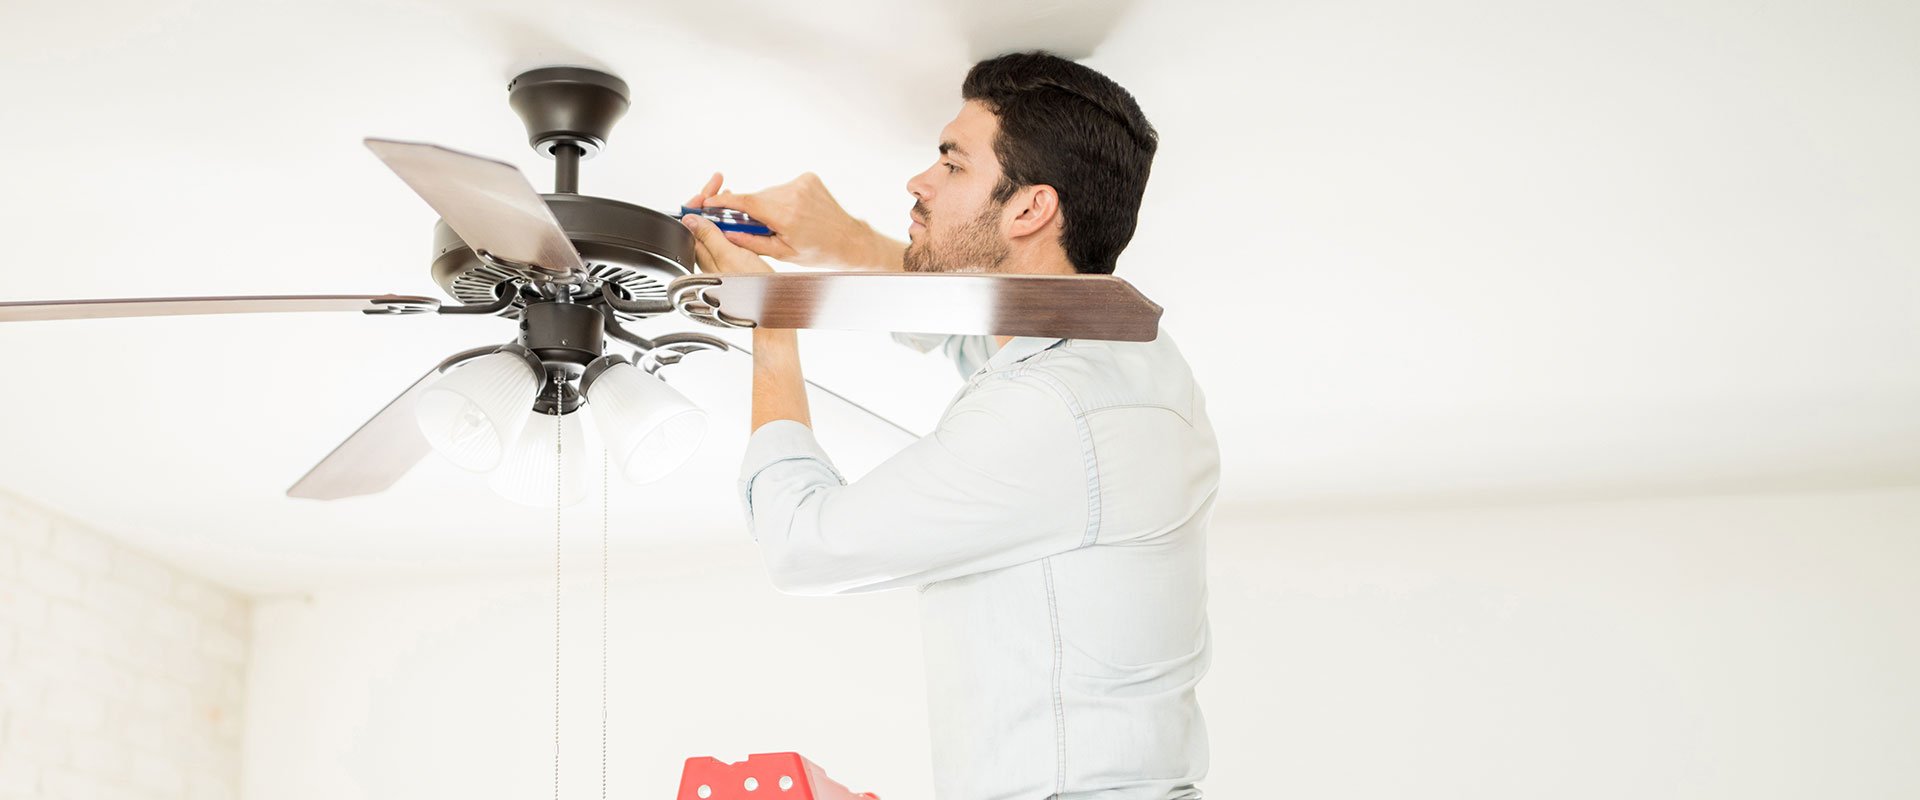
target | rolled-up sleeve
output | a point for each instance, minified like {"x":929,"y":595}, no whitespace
{"x":1004,"y":479}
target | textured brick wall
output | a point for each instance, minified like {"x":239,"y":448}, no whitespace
{"x":120,"y":676}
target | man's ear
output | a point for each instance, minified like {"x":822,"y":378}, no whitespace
{"x":1038,"y":209}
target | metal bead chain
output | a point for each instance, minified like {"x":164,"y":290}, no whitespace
{"x":559,"y":388}
{"x":603,"y":621}
{"x":559,"y":495}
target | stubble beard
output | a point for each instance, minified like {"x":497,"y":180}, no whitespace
{"x":975,"y":247}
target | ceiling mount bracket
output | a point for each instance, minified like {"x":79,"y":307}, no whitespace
{"x":568,"y":106}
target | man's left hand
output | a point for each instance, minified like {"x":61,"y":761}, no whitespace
{"x":715,"y":253}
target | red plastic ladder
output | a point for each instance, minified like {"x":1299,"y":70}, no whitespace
{"x":763,"y":776}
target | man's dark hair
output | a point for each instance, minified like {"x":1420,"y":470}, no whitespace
{"x":1074,"y":129}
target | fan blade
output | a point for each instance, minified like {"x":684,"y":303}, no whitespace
{"x":179,"y":306}
{"x":375,"y":456}
{"x":488,"y":203}
{"x":1068,"y":306}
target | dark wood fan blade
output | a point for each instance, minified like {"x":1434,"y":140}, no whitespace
{"x":488,"y":203}
{"x":1068,"y":306}
{"x":180,"y":306}
{"x":375,"y":456}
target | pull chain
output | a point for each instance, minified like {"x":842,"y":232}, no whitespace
{"x":559,"y":495}
{"x":559,"y":387}
{"x":603,"y":622}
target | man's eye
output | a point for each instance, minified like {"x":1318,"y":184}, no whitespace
{"x":951,"y":167}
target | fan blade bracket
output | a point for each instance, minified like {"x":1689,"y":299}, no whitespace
{"x":644,"y":308}
{"x":504,"y":296}
{"x":397,"y":305}
{"x":688,"y":296}
{"x":669,"y":349}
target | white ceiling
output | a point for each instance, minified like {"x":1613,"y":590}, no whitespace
{"x":1417,"y":253}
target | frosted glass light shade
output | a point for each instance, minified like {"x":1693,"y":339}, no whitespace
{"x":650,"y":429}
{"x":667,"y":446}
{"x":473,"y":413}
{"x":526,"y":476}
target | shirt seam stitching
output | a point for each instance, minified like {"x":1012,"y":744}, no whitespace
{"x":1156,"y":406}
{"x":1059,"y":705}
{"x":1087,"y":454}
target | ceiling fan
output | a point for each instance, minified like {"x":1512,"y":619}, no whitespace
{"x":572,"y":269}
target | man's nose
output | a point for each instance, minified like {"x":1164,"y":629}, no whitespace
{"x":917,"y":186}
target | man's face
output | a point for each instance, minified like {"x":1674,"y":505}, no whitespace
{"x":956,"y":225}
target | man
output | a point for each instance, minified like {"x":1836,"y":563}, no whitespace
{"x":1054,"y":521}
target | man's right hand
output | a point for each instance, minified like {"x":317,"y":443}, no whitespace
{"x":810,"y":228}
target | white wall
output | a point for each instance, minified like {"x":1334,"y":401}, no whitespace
{"x":120,"y":676}
{"x":446,"y":690}
{"x":1736,"y":647}
{"x":1742,"y":647}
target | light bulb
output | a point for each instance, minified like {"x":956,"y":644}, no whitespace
{"x":650,"y":429}
{"x":475,"y":411}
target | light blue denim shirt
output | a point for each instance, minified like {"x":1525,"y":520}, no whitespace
{"x":1055,"y":525}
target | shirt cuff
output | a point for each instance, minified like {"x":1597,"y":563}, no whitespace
{"x":774,"y":442}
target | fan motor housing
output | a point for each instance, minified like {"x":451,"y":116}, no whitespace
{"x":636,"y":250}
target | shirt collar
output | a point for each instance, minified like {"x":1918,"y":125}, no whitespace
{"x":1021,"y":348}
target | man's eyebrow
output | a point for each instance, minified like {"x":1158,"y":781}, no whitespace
{"x":952,"y":147}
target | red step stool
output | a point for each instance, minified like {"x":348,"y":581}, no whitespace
{"x":763,"y":776}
